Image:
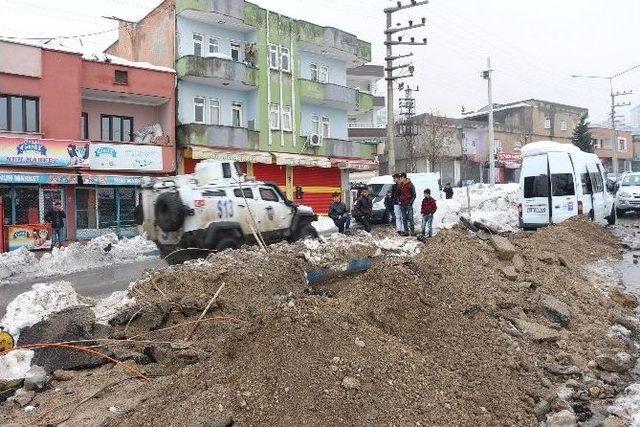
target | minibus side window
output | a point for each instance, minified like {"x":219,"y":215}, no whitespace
{"x":598,"y":185}
{"x":536,"y":186}
{"x":586,"y":183}
{"x":562,"y":184}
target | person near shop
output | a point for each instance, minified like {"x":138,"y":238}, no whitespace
{"x":427,"y":210}
{"x":448,"y":191}
{"x":395,"y":195}
{"x":362,"y":209}
{"x":339,"y":213}
{"x":389,"y":215}
{"x":407,"y":197}
{"x":56,"y":217}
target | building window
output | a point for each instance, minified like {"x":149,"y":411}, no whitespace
{"x":235,"y":51}
{"x":197,"y":44}
{"x":273,"y":56}
{"x":324,"y":74}
{"x":121,"y":77}
{"x":285,"y":59}
{"x":596,"y":143}
{"x":547,"y":123}
{"x":563,"y":125}
{"x":116,"y":128}
{"x":274,"y":116}
{"x":214,"y":112}
{"x":84,"y":126}
{"x":286,"y":118}
{"x":236,"y":114}
{"x":213,"y":45}
{"x":19,"y":113}
{"x":315,"y":125}
{"x":314,"y":72}
{"x":622,"y":144}
{"x":198,"y":109}
{"x":326,"y":127}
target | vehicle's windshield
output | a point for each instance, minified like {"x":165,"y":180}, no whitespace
{"x":631,"y":180}
{"x":378,"y":191}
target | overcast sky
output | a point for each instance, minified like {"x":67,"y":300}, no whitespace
{"x":535,"y":45}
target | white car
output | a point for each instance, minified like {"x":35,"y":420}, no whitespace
{"x":628,"y":195}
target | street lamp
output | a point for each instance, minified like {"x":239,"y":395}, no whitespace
{"x":613,"y":109}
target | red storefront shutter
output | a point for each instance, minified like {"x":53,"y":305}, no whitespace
{"x":190,"y":165}
{"x":317,"y":185}
{"x":270,"y":173}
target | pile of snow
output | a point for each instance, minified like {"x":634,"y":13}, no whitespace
{"x":496,"y":207}
{"x":627,"y":405}
{"x":324,"y":224}
{"x":15,"y":365}
{"x":101,"y":251}
{"x":109,"y":307}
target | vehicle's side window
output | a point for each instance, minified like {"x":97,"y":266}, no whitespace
{"x":268,"y":194}
{"x":562,"y":184}
{"x":536,"y":186}
{"x":226,"y":170}
{"x":248,"y":194}
{"x":213,"y":193}
{"x":598,"y":184}
{"x":585,"y":178}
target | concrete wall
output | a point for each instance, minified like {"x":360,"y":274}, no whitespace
{"x":606,"y":136}
{"x":187,"y":27}
{"x":337,"y":68}
{"x":149,"y":40}
{"x":20,"y":59}
{"x":143,"y":115}
{"x":337,"y":119}
{"x":188,"y":90}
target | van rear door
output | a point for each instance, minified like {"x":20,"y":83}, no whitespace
{"x":597,"y":191}
{"x":564,"y":203}
{"x":536,"y":189}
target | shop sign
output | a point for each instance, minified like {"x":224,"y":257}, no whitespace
{"x":510,"y":160}
{"x":111,"y":180}
{"x":125,"y":157}
{"x":43,"y":152}
{"x":30,"y":236}
{"x":35,"y":178}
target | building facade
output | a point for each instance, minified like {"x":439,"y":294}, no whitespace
{"x":82,"y":131}
{"x":260,"y":88}
{"x":603,"y":140}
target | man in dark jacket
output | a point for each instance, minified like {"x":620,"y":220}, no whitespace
{"x":56,"y":217}
{"x":427,"y":209}
{"x":339,"y":213}
{"x":407,"y":197}
{"x":448,"y":191}
{"x":389,"y":216}
{"x":362,"y":209}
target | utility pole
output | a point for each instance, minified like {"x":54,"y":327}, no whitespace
{"x":492,"y":159}
{"x":390,"y":78}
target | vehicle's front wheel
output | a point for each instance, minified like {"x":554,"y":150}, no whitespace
{"x":305,"y":232}
{"x":227,"y":243}
{"x":619,"y":212}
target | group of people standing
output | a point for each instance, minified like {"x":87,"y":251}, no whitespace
{"x":398,"y":205}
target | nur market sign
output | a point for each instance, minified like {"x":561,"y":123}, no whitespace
{"x":44,"y":152}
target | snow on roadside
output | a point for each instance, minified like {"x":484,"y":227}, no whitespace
{"x":324,"y":224}
{"x":15,"y":365}
{"x":75,"y":257}
{"x":109,"y":307}
{"x":497,"y":207}
{"x":627,"y":406}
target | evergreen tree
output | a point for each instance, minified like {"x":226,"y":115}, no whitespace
{"x":582,"y":137}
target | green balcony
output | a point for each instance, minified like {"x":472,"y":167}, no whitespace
{"x":328,"y":94}
{"x":217,"y":72}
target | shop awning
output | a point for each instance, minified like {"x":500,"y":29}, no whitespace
{"x":301,"y":160}
{"x":355,"y":164}
{"x":93,"y":179}
{"x":201,"y":153}
{"x":38,"y":178}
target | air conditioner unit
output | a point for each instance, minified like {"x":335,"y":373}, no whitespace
{"x":314,"y":140}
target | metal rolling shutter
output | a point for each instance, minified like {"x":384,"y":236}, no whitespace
{"x":317,"y":185}
{"x":270,"y":173}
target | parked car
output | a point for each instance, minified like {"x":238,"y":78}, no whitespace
{"x":216,"y":209}
{"x":559,"y":181}
{"x":628,"y":195}
{"x":379,"y":185}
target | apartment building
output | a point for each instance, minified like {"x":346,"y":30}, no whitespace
{"x":603,"y":140}
{"x":261,"y":88}
{"x":81,"y":131}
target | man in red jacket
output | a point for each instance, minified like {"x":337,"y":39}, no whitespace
{"x":428,"y":208}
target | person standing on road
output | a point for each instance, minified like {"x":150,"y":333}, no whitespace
{"x":339,"y":213}
{"x":395,"y":196}
{"x":427,"y":210}
{"x":389,"y":215}
{"x":56,"y":217}
{"x":407,"y":197}
{"x":362,"y":209}
{"x":448,"y":191}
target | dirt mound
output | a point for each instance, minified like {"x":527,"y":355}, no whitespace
{"x":449,"y":336}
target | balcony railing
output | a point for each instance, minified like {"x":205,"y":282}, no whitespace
{"x":328,"y":94}
{"x":365,"y":125}
{"x":216,"y":136}
{"x":217,"y":70}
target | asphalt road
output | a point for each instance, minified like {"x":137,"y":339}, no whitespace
{"x":97,"y":282}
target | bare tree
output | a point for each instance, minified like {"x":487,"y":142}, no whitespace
{"x":435,"y":140}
